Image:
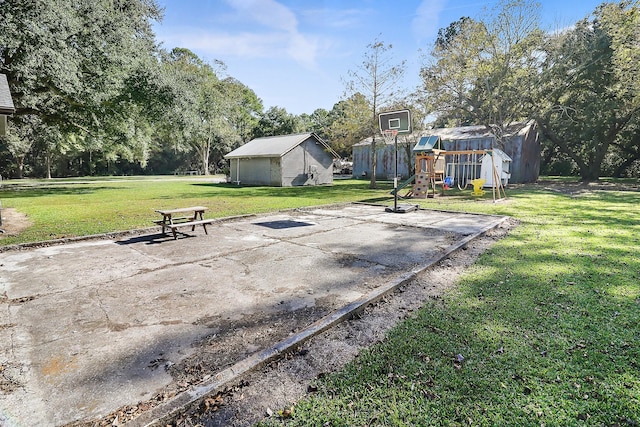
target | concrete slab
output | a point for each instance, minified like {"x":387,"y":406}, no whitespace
{"x":89,"y":327}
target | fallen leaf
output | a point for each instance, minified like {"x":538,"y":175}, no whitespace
{"x":211,"y":403}
{"x":286,"y":413}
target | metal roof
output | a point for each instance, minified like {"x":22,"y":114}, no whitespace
{"x":461,"y":133}
{"x":476,"y":132}
{"x":6,"y":102}
{"x":272,"y":146}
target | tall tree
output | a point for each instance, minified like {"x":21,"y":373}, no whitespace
{"x":378,"y":78}
{"x":243,"y":109}
{"x":318,"y":122}
{"x":207,"y":115}
{"x":482,"y":71}
{"x":351,"y":123}
{"x":589,"y":97}
{"x":195,"y":106}
{"x":67,"y":61}
{"x":277,"y":121}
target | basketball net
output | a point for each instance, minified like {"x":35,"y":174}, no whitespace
{"x":389,"y":135}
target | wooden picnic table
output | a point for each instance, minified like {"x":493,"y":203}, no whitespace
{"x":186,"y":216}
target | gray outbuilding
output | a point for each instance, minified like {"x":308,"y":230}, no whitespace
{"x":282,"y":161}
{"x":522,"y":146}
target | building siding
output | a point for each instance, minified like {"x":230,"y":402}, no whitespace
{"x":524,"y":150}
{"x":306,"y":164}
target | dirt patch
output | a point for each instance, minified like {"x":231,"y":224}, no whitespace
{"x":279,"y":385}
{"x":13,"y":222}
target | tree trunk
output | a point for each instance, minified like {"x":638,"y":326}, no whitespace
{"x":591,"y":172}
{"x":204,"y":157}
{"x":374,"y":157}
{"x":205,"y":164}
{"x":48,"y":163}
{"x":20,"y":167}
{"x":374,"y":164}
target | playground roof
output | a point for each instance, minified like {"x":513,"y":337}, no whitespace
{"x":272,"y":146}
{"x":428,"y":143}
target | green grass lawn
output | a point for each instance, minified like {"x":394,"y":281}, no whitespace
{"x":68,"y":208}
{"x":547,"y":321}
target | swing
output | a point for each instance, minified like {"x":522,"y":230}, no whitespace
{"x":464,"y":172}
{"x":471,"y":168}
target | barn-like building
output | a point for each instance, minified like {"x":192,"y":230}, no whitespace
{"x":522,"y":147}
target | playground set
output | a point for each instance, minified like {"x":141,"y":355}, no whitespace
{"x":437,"y":168}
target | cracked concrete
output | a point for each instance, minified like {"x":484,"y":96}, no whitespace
{"x":92,"y":326}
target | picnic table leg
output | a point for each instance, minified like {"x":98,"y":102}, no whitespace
{"x":166,"y":220}
{"x":195,"y":217}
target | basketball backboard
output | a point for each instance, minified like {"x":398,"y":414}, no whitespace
{"x":395,"y":120}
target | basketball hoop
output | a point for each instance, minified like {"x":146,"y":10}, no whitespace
{"x":389,"y":135}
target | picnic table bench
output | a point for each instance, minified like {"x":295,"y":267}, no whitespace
{"x":191,"y":216}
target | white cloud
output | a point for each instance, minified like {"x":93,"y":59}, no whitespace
{"x":280,"y":35}
{"x":303,"y":50}
{"x":282,"y":45}
{"x":269,"y":13}
{"x":339,"y":18}
{"x":247,"y":45}
{"x":425,"y":24}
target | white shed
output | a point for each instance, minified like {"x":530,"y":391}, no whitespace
{"x":499,"y":160}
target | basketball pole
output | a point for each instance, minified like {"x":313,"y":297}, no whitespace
{"x":391,"y":124}
{"x":395,"y":176}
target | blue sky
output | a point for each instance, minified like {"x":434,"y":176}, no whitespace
{"x":296,"y":54}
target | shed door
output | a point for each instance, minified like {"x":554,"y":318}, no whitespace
{"x":276,"y":172}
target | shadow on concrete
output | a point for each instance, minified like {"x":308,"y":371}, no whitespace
{"x":152,"y":239}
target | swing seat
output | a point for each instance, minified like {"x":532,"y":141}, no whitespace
{"x":477,"y":186}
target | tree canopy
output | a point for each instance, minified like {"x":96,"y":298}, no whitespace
{"x":71,"y":65}
{"x":578,"y":84}
{"x":481,"y":72}
{"x":377,"y":79}
{"x":589,"y":101}
{"x":95,"y":93}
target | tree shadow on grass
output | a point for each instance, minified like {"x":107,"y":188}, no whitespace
{"x":52,"y":191}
